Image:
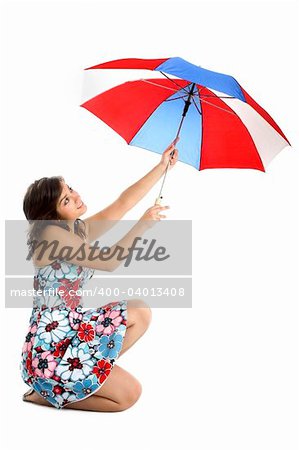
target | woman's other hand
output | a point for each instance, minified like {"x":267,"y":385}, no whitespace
{"x":152,"y":215}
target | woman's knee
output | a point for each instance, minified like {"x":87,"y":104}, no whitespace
{"x":140,"y":312}
{"x":131,"y":395}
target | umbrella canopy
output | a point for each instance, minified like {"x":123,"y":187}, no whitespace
{"x":219,"y":124}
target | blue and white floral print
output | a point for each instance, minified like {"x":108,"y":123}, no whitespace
{"x":109,"y":346}
{"x":53,"y":326}
{"x":69,"y":353}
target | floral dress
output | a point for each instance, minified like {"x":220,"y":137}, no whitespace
{"x":69,"y":353}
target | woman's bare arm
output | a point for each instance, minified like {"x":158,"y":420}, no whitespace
{"x":57,"y":243}
{"x":102,"y":221}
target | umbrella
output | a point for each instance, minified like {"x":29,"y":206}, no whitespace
{"x":218,"y":122}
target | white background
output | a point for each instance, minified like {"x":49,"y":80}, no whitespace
{"x":224,"y":373}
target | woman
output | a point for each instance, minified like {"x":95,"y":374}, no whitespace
{"x":69,"y":354}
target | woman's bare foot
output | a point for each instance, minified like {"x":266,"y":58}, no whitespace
{"x":34,"y":397}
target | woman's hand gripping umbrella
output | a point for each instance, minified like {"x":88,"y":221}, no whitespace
{"x":168,"y":160}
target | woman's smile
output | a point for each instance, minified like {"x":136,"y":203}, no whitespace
{"x":70,"y":204}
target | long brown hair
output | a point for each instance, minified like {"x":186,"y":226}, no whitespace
{"x":40,"y":209}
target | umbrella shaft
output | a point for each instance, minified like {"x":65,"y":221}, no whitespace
{"x":186,"y":107}
{"x":188,"y":101}
{"x":160,"y":196}
{"x":179,"y":129}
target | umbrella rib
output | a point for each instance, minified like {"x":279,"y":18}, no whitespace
{"x":219,"y":107}
{"x":160,"y":85}
{"x":177,"y":98}
{"x":171,"y":79}
{"x":218,"y":96}
{"x":196,"y":106}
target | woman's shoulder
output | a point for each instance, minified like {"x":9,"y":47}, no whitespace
{"x":42,"y":249}
{"x":53,"y":240}
{"x":61,"y":229}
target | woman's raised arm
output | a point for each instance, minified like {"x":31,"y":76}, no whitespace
{"x":101,"y":222}
{"x":58,"y":243}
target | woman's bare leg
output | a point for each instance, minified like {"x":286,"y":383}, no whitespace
{"x":138,"y":320}
{"x":119,"y":392}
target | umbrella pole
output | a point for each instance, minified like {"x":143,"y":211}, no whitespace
{"x":186,"y":107}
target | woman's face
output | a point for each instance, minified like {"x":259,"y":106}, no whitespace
{"x":70,"y":205}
